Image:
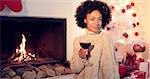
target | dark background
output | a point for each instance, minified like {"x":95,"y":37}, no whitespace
{"x":45,"y":37}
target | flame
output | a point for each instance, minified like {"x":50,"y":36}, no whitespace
{"x":24,"y":56}
{"x":22,"y":46}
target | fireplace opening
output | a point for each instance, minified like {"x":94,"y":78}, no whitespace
{"x":45,"y":37}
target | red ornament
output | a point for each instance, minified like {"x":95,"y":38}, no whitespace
{"x":112,"y":7}
{"x":116,"y":49}
{"x":123,"y":10}
{"x":136,"y":33}
{"x":134,"y":14}
{"x":138,"y":23}
{"x":113,"y":27}
{"x":108,"y":28}
{"x":132,"y":4}
{"x":125,"y":35}
{"x":128,"y":7}
{"x":134,"y":25}
{"x":138,"y":48}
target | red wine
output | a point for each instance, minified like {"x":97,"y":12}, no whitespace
{"x":85,"y":45}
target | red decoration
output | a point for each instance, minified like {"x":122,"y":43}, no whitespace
{"x":128,"y":7}
{"x":140,"y":74}
{"x":140,"y":60}
{"x":122,"y":70}
{"x":2,"y":5}
{"x":112,"y":7}
{"x":130,"y":62}
{"x":136,"y":33}
{"x":116,"y":49}
{"x":134,"y":25}
{"x":108,"y":28}
{"x":14,"y":5}
{"x":132,"y":3}
{"x":113,"y":27}
{"x":138,"y":48}
{"x":134,"y":14}
{"x":125,"y":35}
{"x":138,"y":23}
{"x":123,"y":10}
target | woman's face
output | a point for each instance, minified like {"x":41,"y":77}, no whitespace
{"x":93,"y":21}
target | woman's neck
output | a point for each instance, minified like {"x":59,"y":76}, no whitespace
{"x":91,"y":32}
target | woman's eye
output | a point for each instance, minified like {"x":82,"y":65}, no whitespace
{"x":99,"y":18}
{"x":92,"y":19}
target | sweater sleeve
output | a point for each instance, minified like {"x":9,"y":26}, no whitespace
{"x":108,"y":64}
{"x":76,"y":63}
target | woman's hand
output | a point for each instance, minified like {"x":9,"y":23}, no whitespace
{"x":82,"y":53}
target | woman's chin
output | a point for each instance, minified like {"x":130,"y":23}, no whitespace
{"x":97,"y":31}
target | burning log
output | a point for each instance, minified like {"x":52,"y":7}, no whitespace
{"x":14,"y":56}
{"x":21,"y":54}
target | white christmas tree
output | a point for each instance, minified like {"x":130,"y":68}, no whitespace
{"x":125,"y":23}
{"x":125,"y":29}
{"x":125,"y":26}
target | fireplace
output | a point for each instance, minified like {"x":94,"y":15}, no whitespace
{"x":45,"y":37}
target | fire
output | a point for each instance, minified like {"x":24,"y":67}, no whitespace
{"x":21,"y":54}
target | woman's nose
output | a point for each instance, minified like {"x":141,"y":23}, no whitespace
{"x":96,"y":22}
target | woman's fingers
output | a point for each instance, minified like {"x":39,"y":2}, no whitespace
{"x":82,"y":53}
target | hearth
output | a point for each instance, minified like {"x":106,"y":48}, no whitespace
{"x":34,"y":46}
{"x":45,"y":39}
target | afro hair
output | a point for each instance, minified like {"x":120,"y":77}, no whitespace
{"x":89,"y":6}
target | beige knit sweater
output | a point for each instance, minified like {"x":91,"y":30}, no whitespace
{"x":104,"y":65}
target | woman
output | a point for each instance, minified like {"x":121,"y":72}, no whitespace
{"x":101,"y":63}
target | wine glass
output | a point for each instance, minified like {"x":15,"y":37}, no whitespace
{"x":89,"y":47}
{"x":86,"y":45}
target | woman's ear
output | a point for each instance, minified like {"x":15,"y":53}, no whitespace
{"x":85,"y":21}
